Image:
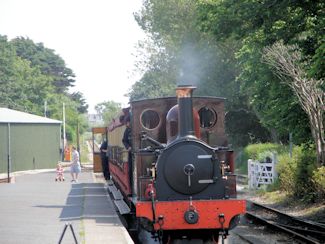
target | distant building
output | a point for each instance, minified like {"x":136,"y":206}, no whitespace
{"x":28,"y":141}
{"x":95,"y":119}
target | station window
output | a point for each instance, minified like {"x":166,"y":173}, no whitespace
{"x":208,"y":117}
{"x":150,"y":119}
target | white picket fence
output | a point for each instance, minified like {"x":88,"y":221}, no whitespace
{"x":261,"y":173}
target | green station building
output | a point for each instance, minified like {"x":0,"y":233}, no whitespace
{"x":28,"y":141}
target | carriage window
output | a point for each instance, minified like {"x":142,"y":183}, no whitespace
{"x":150,"y":119}
{"x":208,"y":117}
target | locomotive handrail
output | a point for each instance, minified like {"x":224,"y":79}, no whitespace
{"x":148,"y":151}
{"x":221,"y":149}
{"x":145,"y":137}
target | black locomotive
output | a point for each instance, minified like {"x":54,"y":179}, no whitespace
{"x":178,"y":183}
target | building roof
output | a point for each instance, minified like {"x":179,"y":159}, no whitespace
{"x":13,"y":116}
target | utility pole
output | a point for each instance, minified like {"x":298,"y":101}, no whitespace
{"x":78,"y":140}
{"x":45,"y":108}
{"x":63,"y":111}
{"x":9,"y":153}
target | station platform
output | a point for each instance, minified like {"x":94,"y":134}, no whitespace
{"x":34,"y":208}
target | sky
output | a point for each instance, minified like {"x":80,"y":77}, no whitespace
{"x":95,"y":38}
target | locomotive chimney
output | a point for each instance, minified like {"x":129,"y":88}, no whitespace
{"x":185,"y":116}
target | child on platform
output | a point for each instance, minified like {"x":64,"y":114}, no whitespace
{"x":59,"y":172}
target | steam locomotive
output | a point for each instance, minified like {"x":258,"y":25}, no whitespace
{"x":178,"y":180}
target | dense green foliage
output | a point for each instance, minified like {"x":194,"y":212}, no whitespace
{"x":108,"y":110}
{"x":318,"y":179}
{"x":257,"y":152}
{"x":47,"y":61}
{"x":254,"y":151}
{"x":298,"y":176}
{"x":32,"y":76}
{"x":21,"y":85}
{"x":179,"y":52}
{"x":218,"y":46}
{"x":255,"y":25}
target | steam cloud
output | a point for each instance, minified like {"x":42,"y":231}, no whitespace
{"x":189,"y":66}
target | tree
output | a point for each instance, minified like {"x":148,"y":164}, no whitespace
{"x":27,"y":81}
{"x":73,"y":117}
{"x":80,"y":100}
{"x":22,"y":87}
{"x":255,"y":24}
{"x":286,"y":62}
{"x":108,"y":110}
{"x":50,"y":63}
{"x":159,"y":74}
{"x":179,"y":52}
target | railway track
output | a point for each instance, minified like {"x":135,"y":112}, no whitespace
{"x":306,"y":231}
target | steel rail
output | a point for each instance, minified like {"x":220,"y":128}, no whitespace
{"x":242,"y":237}
{"x":311,"y":224}
{"x":286,"y":230}
{"x":293,"y":225}
{"x":302,"y":229}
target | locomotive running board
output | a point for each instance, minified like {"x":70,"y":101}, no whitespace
{"x":115,"y":192}
{"x":117,"y":195}
{"x":111,"y":188}
{"x":122,"y":207}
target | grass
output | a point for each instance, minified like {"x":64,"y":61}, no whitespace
{"x":84,"y":153}
{"x":290,"y":205}
{"x":275,"y":197}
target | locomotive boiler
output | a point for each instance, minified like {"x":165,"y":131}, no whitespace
{"x":178,"y":181}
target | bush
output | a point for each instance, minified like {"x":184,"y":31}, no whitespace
{"x":306,"y":164}
{"x":319,"y":182}
{"x":287,"y":170}
{"x":298,"y":175}
{"x":295,"y":174}
{"x":257,"y":152}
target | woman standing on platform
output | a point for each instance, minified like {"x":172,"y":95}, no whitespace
{"x":75,"y":168}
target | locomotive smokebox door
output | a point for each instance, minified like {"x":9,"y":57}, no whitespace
{"x":185,"y":167}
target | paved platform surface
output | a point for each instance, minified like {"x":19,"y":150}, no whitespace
{"x":35,"y":209}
